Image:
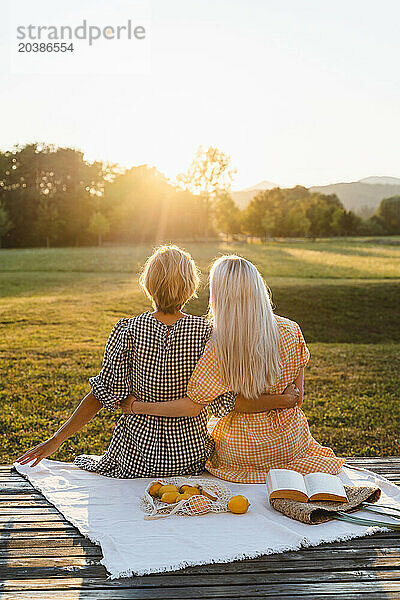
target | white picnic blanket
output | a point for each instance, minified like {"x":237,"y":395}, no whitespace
{"x":107,"y":511}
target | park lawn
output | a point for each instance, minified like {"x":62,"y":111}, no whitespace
{"x":360,"y":258}
{"x":57,"y":307}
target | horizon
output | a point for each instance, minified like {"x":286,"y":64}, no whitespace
{"x":297,"y":94}
{"x":233,"y":188}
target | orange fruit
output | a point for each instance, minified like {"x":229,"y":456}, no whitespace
{"x":238,"y":505}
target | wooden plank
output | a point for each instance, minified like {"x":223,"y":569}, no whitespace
{"x":55,"y":551}
{"x":89,"y":566}
{"x":15,"y":488}
{"x":14,"y":538}
{"x":29,"y":518}
{"x":38,"y":539}
{"x":289,"y":561}
{"x":93,"y":570}
{"x":34,"y":495}
{"x":23,"y":502}
{"x":28,"y":510}
{"x":373,"y":459}
{"x":9,"y":478}
{"x":280,"y":590}
{"x":394,"y":465}
{"x":14,"y":526}
{"x":47,"y":544}
{"x":170,"y":580}
{"x":17,"y":482}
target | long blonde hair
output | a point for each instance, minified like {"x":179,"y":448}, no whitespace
{"x":246,"y":338}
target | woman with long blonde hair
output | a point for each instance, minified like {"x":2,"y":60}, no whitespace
{"x":257,"y":355}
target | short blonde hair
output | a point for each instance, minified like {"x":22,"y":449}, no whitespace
{"x":169,"y":278}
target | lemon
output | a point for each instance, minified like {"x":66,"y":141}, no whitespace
{"x":182,"y":497}
{"x":167,"y":488}
{"x":185,"y":496}
{"x":193,"y":491}
{"x":185,"y":488}
{"x":153,"y":491}
{"x":170,"y":497}
{"x":238,"y":505}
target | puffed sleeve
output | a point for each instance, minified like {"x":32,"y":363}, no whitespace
{"x":205,"y":386}
{"x":115,"y":380}
{"x":304,"y":351}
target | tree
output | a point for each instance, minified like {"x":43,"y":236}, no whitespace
{"x":99,"y":225}
{"x":5,"y":222}
{"x":322,"y":212}
{"x":348,"y":223}
{"x":209,"y":174}
{"x":263,"y":215}
{"x":226,"y":215}
{"x":48,"y":223}
{"x":31,"y":173}
{"x":254,"y":217}
{"x":388,"y":214}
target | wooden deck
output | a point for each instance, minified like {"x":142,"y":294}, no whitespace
{"x":43,"y":557}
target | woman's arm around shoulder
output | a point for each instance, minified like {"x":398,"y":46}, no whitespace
{"x":184,"y":407}
{"x":288,"y":399}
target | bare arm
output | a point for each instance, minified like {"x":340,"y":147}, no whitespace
{"x":85,"y":412}
{"x":264,"y":403}
{"x":184,"y":407}
{"x":267,"y":402}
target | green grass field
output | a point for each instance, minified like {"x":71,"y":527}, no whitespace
{"x":57,"y":307}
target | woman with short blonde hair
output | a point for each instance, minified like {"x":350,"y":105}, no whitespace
{"x":258,"y":356}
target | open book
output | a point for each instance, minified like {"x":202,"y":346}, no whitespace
{"x":283,"y":483}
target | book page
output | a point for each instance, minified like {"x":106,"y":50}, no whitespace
{"x":325,"y":486}
{"x":284,"y":479}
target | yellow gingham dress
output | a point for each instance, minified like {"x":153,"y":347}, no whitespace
{"x":248,"y":445}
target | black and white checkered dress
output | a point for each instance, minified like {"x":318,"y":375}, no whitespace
{"x":154,"y":362}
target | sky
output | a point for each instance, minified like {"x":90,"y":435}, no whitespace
{"x":295,"y":91}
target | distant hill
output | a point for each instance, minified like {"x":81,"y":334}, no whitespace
{"x":362,"y":197}
{"x":381,"y":180}
{"x":243,"y":197}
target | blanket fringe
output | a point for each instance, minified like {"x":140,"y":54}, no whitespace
{"x":237,"y":557}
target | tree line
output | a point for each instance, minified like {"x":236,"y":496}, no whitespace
{"x":52,"y":196}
